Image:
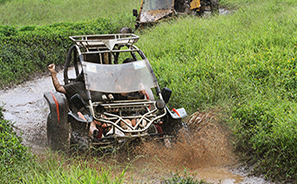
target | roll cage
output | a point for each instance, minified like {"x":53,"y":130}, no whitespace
{"x":91,"y":56}
{"x":98,"y":52}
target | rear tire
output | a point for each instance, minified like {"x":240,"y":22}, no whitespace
{"x":57,"y":135}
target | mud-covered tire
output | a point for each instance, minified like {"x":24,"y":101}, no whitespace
{"x":183,"y":133}
{"x":176,"y":130}
{"x":57,"y":135}
{"x":78,"y":143}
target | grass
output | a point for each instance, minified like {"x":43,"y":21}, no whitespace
{"x":36,"y":12}
{"x":243,"y":63}
{"x":59,"y":168}
{"x":224,"y":58}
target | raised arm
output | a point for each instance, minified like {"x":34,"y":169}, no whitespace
{"x":55,"y":80}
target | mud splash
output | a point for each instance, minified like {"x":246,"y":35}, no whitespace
{"x":205,"y":154}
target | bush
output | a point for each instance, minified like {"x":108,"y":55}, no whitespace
{"x":28,"y":51}
{"x":8,"y":30}
{"x":14,"y":157}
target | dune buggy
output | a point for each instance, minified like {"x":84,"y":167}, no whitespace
{"x":113,"y":98}
{"x":152,"y":11}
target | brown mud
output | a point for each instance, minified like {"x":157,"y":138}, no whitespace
{"x":205,"y":153}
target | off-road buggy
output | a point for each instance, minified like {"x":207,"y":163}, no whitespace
{"x":98,"y":60}
{"x":152,"y":11}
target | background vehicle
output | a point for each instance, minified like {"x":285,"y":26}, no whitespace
{"x":99,"y":60}
{"x":151,"y":11}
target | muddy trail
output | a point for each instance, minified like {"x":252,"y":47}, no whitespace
{"x":205,"y":154}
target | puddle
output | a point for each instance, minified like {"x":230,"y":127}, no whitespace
{"x":24,"y":104}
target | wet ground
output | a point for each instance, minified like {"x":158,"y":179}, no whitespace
{"x":24,"y":104}
{"x":207,"y":156}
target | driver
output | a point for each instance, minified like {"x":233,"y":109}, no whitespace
{"x":78,"y":86}
{"x":70,"y":89}
{"x":94,"y":131}
{"x":138,"y":94}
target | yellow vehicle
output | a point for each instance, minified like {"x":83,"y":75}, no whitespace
{"x":151,"y":11}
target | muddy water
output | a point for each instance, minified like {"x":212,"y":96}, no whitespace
{"x":24,"y":104}
{"x":206,"y":155}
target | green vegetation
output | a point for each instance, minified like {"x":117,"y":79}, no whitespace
{"x":29,"y":50}
{"x":59,"y":169}
{"x":14,"y":157}
{"x":43,"y":12}
{"x":243,"y":63}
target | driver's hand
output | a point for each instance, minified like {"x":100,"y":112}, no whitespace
{"x":143,"y":92}
{"x":52,"y":68}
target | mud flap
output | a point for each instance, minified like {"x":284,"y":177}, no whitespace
{"x":57,"y":123}
{"x":177,"y":113}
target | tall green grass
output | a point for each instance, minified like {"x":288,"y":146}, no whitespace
{"x":243,"y":63}
{"x":59,"y":168}
{"x":41,"y":12}
{"x":224,"y":58}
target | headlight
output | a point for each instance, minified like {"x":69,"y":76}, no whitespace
{"x":160,"y":104}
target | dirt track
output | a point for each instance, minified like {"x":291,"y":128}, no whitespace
{"x":25,"y":105}
{"x":206,"y":152}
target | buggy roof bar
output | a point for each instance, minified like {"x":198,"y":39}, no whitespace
{"x":107,"y":41}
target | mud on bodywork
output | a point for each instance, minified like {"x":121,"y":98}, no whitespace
{"x":152,"y":11}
